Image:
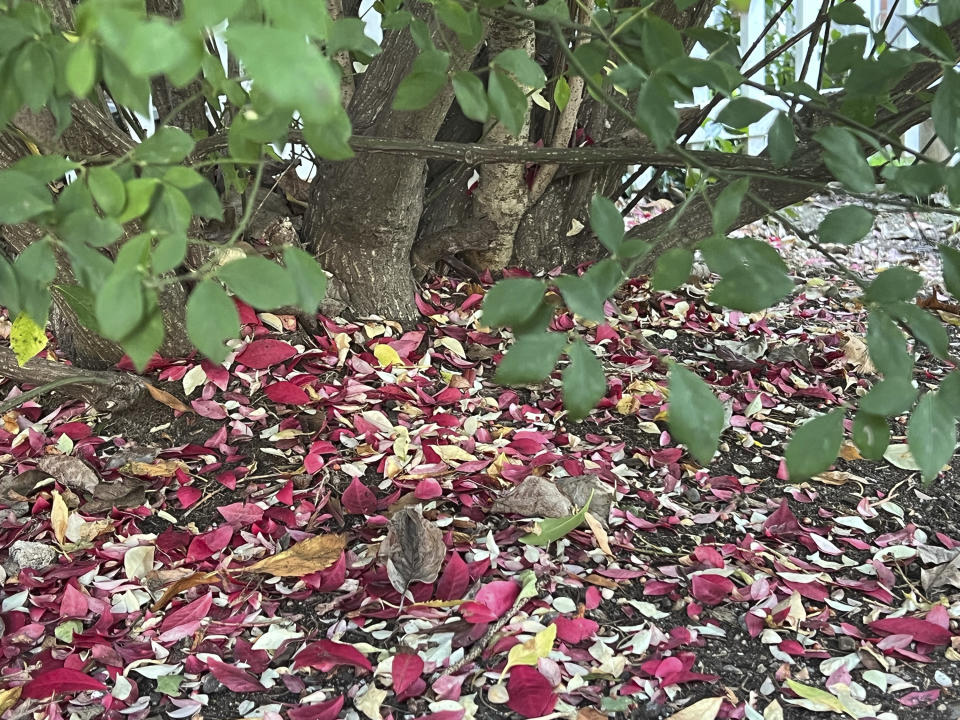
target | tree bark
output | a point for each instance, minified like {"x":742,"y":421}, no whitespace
{"x":363,"y":215}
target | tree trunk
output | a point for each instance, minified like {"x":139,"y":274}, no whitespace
{"x":364,"y":213}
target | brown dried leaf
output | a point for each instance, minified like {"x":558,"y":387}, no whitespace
{"x":307,"y":556}
{"x":535,"y":497}
{"x":59,"y":514}
{"x":590,"y":714}
{"x":603,"y":540}
{"x":582,"y":489}
{"x":595,"y":579}
{"x":849,"y":451}
{"x":942,"y":576}
{"x":414,"y":549}
{"x":20,"y":488}
{"x":71,"y":471}
{"x":856,"y":353}
{"x":191,"y":581}
{"x":127,"y":493}
{"x":162,"y":396}
{"x":835,"y":477}
{"x":164,"y":468}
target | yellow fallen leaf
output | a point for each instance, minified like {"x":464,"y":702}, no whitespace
{"x":539,"y":646}
{"x":59,"y":515}
{"x":603,"y":540}
{"x":849,"y":451}
{"x":386,"y":355}
{"x":9,"y":698}
{"x":450,"y":453}
{"x":773,"y":711}
{"x":439,"y":603}
{"x":705,"y":709}
{"x":370,"y":701}
{"x":453,"y":345}
{"x":162,"y":396}
{"x":26,"y":338}
{"x":307,"y":556}
{"x":817,"y":697}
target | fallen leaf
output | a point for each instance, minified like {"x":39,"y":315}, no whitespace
{"x":71,"y":471}
{"x":555,"y":528}
{"x":138,"y":561}
{"x":588,"y":713}
{"x":405,"y":669}
{"x":414,"y":549}
{"x":534,"y":497}
{"x":856,"y":353}
{"x":182,"y":585}
{"x":26,"y":338}
{"x":531,"y":694}
{"x":705,"y":709}
{"x":942,"y":576}
{"x":603,"y":540}
{"x":773,"y":711}
{"x":162,"y":396}
{"x":59,"y":515}
{"x":834,"y":477}
{"x":163,"y":468}
{"x":127,"y":493}
{"x":386,"y":355}
{"x":583,"y":488}
{"x":306,"y":557}
{"x":9,"y":698}
{"x":529,"y":652}
{"x":849,"y":451}
{"x":370,"y":701}
{"x":816,"y":699}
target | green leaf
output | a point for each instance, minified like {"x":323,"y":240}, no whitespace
{"x":754,"y":275}
{"x":672,"y":269}
{"x":584,"y":383}
{"x":139,"y":192}
{"x":9,"y":288}
{"x":34,"y":74}
{"x":848,"y":13}
{"x":167,"y":146}
{"x":897,"y":283}
{"x":467,"y":25}
{"x":871,"y":435}
{"x":126,"y":88}
{"x":586,"y":294}
{"x":889,"y":397}
{"x":258,"y":282}
{"x":208,"y":13}
{"x":949,"y":391}
{"x":24,"y":197}
{"x":516,"y":62}
{"x":726,"y":208}
{"x":561,"y":92}
{"x":552,"y":529}
{"x":781,"y":142}
{"x":168,"y":253}
{"x":814,"y":446}
{"x":211,"y":319}
{"x":512,"y":301}
{"x":931,"y":36}
{"x":656,"y":114}
{"x":846,"y":225}
{"x":119,"y":306}
{"x":695,"y":415}
{"x":107,"y":189}
{"x":471,"y":95}
{"x":844,"y":158}
{"x":308,"y":278}
{"x":530,"y":359}
{"x":606,"y":222}
{"x":170,"y":212}
{"x":418,"y":89}
{"x":330,"y":140}
{"x":154,"y":47}
{"x":538,"y":321}
{"x":65,"y":631}
{"x":86,"y":226}
{"x":845,"y":52}
{"x":742,"y":112}
{"x":147,"y":337}
{"x":45,"y":168}
{"x":932,"y":435}
{"x":948,"y":10}
{"x":348,"y":34}
{"x":951,"y":270}
{"x":887,"y":346}
{"x":924,"y":326}
{"x":508,"y":101}
{"x":200,"y":192}
{"x":661,"y":41}
{"x":918,"y":178}
{"x":592,"y":56}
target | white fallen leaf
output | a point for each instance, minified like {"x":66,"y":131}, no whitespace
{"x":705,"y":709}
{"x":138,"y":561}
{"x":369,"y":703}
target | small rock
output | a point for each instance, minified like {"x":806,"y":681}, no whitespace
{"x":32,"y":555}
{"x":692,"y":495}
{"x":847,"y":644}
{"x":211,"y":685}
{"x":732,"y":670}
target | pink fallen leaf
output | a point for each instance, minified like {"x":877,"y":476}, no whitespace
{"x":499,"y":596}
{"x":287,"y":393}
{"x":329,"y":710}
{"x":576,"y":630}
{"x":531,"y":694}
{"x":261,"y":354}
{"x":185,"y":621}
{"x":240,"y":513}
{"x":406,"y":669}
{"x":358,"y":499}
{"x":74,"y":603}
{"x":455,"y":579}
{"x":233,"y":677}
{"x":188,"y":495}
{"x":324,"y":655}
{"x":711,"y":589}
{"x":428,"y":489}
{"x":920,"y":698}
{"x":922,"y":631}
{"x":61,"y":680}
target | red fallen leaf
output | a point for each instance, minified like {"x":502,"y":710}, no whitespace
{"x":711,"y":589}
{"x":476,"y":613}
{"x":531,"y":694}
{"x":61,"y":680}
{"x":188,"y":495}
{"x":74,"y":603}
{"x":185,"y":621}
{"x":576,"y":630}
{"x":405,"y":669}
{"x":499,"y":596}
{"x":329,"y":710}
{"x":240,"y":513}
{"x":234,"y":678}
{"x":261,"y":354}
{"x":210,"y":409}
{"x":285,"y":495}
{"x":203,"y":547}
{"x":782,"y":523}
{"x":407,"y":343}
{"x":455,"y":579}
{"x":920,"y":698}
{"x":358,"y":499}
{"x":330,"y":579}
{"x":922,"y":631}
{"x":428,"y":489}
{"x":287,"y":393}
{"x":324,"y":655}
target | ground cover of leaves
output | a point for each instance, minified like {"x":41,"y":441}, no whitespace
{"x":242,"y":558}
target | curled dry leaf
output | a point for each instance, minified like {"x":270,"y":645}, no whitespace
{"x":71,"y":471}
{"x":162,"y":396}
{"x":59,"y":515}
{"x":21,"y":488}
{"x":603,"y":540}
{"x":306,"y":557}
{"x":856,"y":353}
{"x":535,"y":497}
{"x":127,"y":493}
{"x":183,"y":584}
{"x":414,"y":549}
